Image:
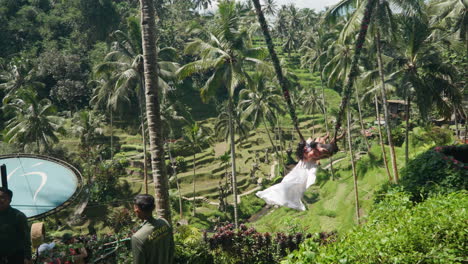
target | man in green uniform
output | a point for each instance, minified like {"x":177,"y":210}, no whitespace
{"x":153,"y":243}
{"x":15,"y":241}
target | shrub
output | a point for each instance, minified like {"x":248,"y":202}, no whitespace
{"x":190,"y":246}
{"x":246,"y":245}
{"x":105,"y":181}
{"x":399,"y":232}
{"x":434,"y":172}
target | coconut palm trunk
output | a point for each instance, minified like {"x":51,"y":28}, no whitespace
{"x":276,"y":64}
{"x":193,"y":180}
{"x":233,"y":160}
{"x":143,"y":135}
{"x":174,"y":173}
{"x":384,"y":154}
{"x":112,"y":135}
{"x":269,"y":136}
{"x":408,"y":105}
{"x":347,"y":90}
{"x":353,"y":165}
{"x":325,"y":117}
{"x":385,"y":108}
{"x":148,"y":27}
{"x":363,"y":133}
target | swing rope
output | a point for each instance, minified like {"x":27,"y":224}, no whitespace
{"x":276,"y":64}
{"x":351,"y":76}
{"x":353,"y":73}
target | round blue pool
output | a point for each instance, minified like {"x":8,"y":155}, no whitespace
{"x":39,"y":185}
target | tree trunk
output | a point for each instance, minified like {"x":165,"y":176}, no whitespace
{"x":193,"y":180}
{"x":384,"y":103}
{"x":326,"y":124}
{"x":382,"y":145}
{"x":354,"y":64}
{"x":353,"y":165}
{"x":279,"y":72}
{"x":408,"y":105}
{"x":143,"y":135}
{"x":174,"y":173}
{"x":269,"y":137}
{"x":233,"y":161}
{"x":112,"y":134}
{"x":363,"y":133}
{"x":148,"y":27}
{"x":457,"y":129}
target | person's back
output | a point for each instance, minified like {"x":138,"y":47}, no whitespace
{"x":15,"y":242}
{"x":153,"y":243}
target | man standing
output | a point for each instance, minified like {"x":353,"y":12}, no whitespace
{"x":15,"y":241}
{"x":153,"y":242}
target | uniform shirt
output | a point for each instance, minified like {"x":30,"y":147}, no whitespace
{"x":153,"y":243}
{"x":14,"y":234}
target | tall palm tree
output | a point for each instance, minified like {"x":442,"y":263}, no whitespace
{"x":241,"y":126}
{"x":87,"y":125}
{"x":195,"y":136}
{"x":34,"y":120}
{"x":270,"y":7}
{"x":19,"y":73}
{"x":125,"y":61}
{"x":103,"y":98}
{"x":259,"y":103}
{"x":224,"y":54}
{"x":383,"y":15}
{"x":277,"y":66}
{"x":353,"y":165}
{"x":337,"y":69}
{"x":420,"y":72}
{"x":152,"y":91}
{"x":453,"y":13}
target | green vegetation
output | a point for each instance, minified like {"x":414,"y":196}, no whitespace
{"x":73,"y":85}
{"x":399,"y":231}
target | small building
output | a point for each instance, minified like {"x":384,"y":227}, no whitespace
{"x":397,"y":108}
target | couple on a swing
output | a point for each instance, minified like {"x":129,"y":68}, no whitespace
{"x":291,"y":189}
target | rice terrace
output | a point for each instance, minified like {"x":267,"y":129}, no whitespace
{"x":233,"y":131}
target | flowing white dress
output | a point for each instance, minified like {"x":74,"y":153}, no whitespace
{"x":291,"y":189}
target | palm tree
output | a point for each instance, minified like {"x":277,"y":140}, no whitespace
{"x":19,"y":73}
{"x":195,"y":136}
{"x":125,"y":61}
{"x":259,"y":102}
{"x":152,"y":92}
{"x":384,"y":17}
{"x":224,"y":55}
{"x":34,"y":120}
{"x":87,"y":125}
{"x":453,"y":13}
{"x":241,"y":126}
{"x":224,"y":159}
{"x":338,"y":68}
{"x":277,"y":66}
{"x":420,"y":72}
{"x":314,"y":50}
{"x":353,"y":164}
{"x":270,"y":7}
{"x":199,"y":4}
{"x":103,"y":98}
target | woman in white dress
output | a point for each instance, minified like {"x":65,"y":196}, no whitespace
{"x":291,"y":189}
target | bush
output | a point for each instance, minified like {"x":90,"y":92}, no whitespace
{"x":433,"y":172}
{"x":190,"y":246}
{"x":398,"y":232}
{"x":105,"y":182}
{"x":431,"y":135}
{"x":246,"y":245}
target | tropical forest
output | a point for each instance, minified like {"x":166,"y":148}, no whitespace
{"x":207,"y":105}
